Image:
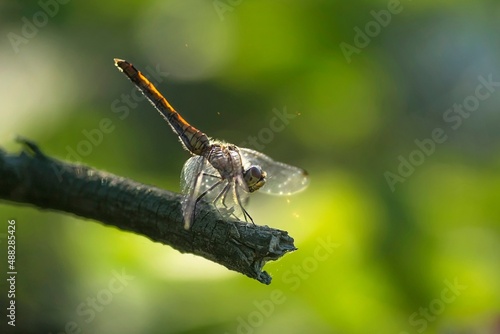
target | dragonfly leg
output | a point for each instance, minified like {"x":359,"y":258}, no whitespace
{"x":222,"y":197}
{"x":222,"y":194}
{"x":212,"y":175}
{"x":228,"y":211}
{"x":245,"y":213}
{"x":212,"y":187}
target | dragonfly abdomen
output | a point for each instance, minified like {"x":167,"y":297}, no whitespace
{"x":193,"y":139}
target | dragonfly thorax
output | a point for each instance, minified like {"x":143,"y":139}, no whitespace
{"x":226,"y":159}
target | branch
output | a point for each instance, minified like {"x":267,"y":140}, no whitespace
{"x":36,"y":179}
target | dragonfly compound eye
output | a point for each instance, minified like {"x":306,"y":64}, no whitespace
{"x":255,"y":178}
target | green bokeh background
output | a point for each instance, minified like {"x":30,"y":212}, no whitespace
{"x":231,"y":65}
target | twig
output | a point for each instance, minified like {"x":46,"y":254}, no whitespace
{"x":36,"y":179}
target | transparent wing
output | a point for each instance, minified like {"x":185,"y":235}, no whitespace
{"x":282,"y":179}
{"x":191,"y":171}
{"x":191,"y":181}
{"x":199,"y":178}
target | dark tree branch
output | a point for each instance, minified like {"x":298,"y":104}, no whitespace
{"x":33,"y":178}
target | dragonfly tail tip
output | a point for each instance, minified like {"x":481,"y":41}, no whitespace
{"x":118,"y":60}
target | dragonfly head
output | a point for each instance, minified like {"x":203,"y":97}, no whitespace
{"x":254,"y":177}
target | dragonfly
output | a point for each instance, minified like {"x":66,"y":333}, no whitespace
{"x":218,"y":172}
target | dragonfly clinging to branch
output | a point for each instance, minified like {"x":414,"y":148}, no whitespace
{"x":218,"y":172}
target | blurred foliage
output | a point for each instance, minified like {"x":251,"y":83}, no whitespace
{"x":392,"y":251}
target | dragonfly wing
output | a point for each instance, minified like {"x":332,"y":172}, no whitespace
{"x":232,"y":199}
{"x":200,"y":179}
{"x":190,"y":185}
{"x":282,"y":179}
{"x":192,"y":169}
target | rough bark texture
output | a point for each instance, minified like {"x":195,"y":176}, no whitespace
{"x":35,"y":179}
